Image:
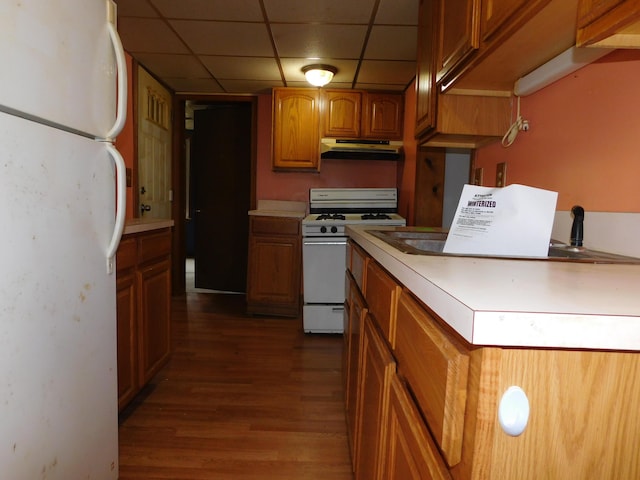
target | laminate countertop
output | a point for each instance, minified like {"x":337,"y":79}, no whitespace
{"x":139,"y":225}
{"x":521,"y":303}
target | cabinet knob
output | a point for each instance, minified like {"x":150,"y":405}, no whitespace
{"x":513,"y":411}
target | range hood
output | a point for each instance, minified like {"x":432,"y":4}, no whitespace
{"x":331,"y":148}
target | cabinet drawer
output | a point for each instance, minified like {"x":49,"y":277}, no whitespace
{"x":435,"y":366}
{"x":382,"y":293}
{"x":154,"y":246}
{"x":358,"y":265}
{"x":126,"y":254}
{"x":274,"y":226}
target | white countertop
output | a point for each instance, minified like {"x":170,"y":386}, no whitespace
{"x":138,"y":225}
{"x":533,"y":303}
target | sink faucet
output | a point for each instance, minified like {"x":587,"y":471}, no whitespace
{"x":577,"y":229}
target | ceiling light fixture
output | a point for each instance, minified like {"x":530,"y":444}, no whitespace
{"x":318,"y":74}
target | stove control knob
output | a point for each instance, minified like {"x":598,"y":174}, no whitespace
{"x":334,"y":229}
{"x":323,"y":229}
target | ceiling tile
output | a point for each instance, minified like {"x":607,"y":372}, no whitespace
{"x":249,"y":86}
{"x":148,"y":35}
{"x":254,"y":68}
{"x":194,"y":85}
{"x":225,"y":38}
{"x":376,"y":71}
{"x":236,"y":10}
{"x":135,"y":8}
{"x":326,"y":11}
{"x":218,"y":46}
{"x":318,"y":41}
{"x":398,"y":12}
{"x":392,"y":43}
{"x":179,"y":66}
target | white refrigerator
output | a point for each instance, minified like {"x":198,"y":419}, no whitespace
{"x":62,"y":190}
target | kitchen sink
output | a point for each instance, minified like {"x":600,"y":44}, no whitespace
{"x":430,"y":241}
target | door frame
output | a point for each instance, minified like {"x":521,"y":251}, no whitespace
{"x":179,"y":175}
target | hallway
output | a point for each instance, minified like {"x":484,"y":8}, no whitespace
{"x":242,"y":398}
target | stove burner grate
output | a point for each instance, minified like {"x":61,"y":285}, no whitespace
{"x":375,"y":216}
{"x":331,"y":216}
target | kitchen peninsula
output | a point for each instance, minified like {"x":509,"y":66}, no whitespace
{"x":449,"y":339}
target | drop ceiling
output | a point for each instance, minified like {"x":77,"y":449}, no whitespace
{"x":250,"y":46}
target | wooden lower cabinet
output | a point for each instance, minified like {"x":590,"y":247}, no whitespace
{"x":154,"y":281}
{"x":127,"y":335}
{"x":410,"y":453}
{"x":353,"y":337}
{"x":275,"y":266}
{"x":143,"y":309}
{"x":428,"y":407}
{"x":376,"y":367}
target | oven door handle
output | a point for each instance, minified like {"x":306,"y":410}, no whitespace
{"x":325,"y":242}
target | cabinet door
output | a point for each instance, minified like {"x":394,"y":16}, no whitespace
{"x":436,"y":366}
{"x":496,"y":12}
{"x":342,"y":113}
{"x":410,"y":453}
{"x":273,"y":280}
{"x":127,"y":348}
{"x":609,"y":23}
{"x":154,"y":317}
{"x":459,"y":27}
{"x":426,"y":65}
{"x":376,"y":368}
{"x":357,"y":312}
{"x":296,"y":128}
{"x":383,"y":116}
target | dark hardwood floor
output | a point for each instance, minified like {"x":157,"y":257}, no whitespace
{"x":241,"y":398}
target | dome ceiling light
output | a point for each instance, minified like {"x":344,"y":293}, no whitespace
{"x":318,"y":74}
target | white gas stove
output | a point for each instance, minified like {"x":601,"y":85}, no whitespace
{"x":324,"y":247}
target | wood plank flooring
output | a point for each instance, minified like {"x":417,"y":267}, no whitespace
{"x":242,"y":398}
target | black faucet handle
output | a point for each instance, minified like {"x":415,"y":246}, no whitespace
{"x":577,"y":229}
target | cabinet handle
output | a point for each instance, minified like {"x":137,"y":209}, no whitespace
{"x":513,"y":411}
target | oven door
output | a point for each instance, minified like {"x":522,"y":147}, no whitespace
{"x":323,"y":267}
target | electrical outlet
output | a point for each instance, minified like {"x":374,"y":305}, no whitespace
{"x":501,"y":174}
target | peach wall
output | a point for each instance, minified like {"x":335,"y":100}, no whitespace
{"x":333,"y":173}
{"x":125,"y":141}
{"x":584,"y":140}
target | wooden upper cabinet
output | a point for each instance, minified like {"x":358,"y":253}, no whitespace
{"x":496,"y":12}
{"x":342,"y":111}
{"x":459,"y":39}
{"x":382,"y":115}
{"x":296,"y":128}
{"x":609,"y":23}
{"x":361,"y":114}
{"x":425,"y":74}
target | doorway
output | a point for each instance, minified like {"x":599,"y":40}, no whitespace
{"x":220,"y":194}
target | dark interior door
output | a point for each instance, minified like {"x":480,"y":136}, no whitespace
{"x":220,"y":169}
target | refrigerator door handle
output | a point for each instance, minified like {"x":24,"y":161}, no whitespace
{"x":121,"y":65}
{"x":121,"y":204}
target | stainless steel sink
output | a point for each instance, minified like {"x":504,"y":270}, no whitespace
{"x":430,"y":241}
